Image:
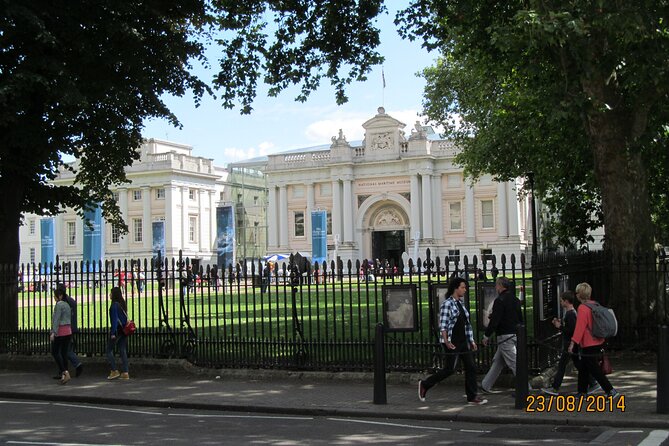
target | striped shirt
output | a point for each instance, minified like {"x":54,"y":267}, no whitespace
{"x":448,"y":316}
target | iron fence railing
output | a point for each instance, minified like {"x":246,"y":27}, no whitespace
{"x":302,"y":316}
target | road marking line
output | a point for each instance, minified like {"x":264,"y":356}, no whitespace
{"x":390,"y":424}
{"x":83,"y":406}
{"x":25,"y":402}
{"x":655,"y":438}
{"x":59,"y":444}
{"x":631,"y":432}
{"x":472,"y":431}
{"x":266,"y":417}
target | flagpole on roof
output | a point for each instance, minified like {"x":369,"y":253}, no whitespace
{"x":383,"y":90}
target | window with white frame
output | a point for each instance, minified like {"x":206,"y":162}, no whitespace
{"x":137,"y":195}
{"x":116,"y":196}
{"x":454,"y":255}
{"x":191,"y":194}
{"x":115,"y":234}
{"x":192,"y":228}
{"x":71,"y":233}
{"x":137,"y":232}
{"x":487,"y":214}
{"x":299,"y":224}
{"x":32,"y":255}
{"x":160,"y":193}
{"x":455,"y":215}
{"x":31,"y":225}
{"x":329,"y":222}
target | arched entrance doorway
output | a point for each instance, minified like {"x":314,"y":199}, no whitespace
{"x":388,"y":227}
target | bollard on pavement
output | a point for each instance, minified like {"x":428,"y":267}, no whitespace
{"x":521,"y":367}
{"x":663,"y":370}
{"x":379,"y":367}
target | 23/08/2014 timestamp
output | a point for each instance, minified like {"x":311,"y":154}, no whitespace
{"x":571,"y":403}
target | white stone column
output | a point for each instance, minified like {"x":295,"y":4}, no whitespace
{"x":470,"y":213}
{"x":512,"y":203}
{"x":283,"y":216}
{"x":123,"y":206}
{"x":212,"y":223}
{"x":438,"y":206}
{"x":415,"y":206}
{"x":336,"y":210}
{"x":202,"y":219}
{"x":348,"y":211}
{"x":147,"y":236}
{"x":172,"y":237}
{"x":310,"y":208}
{"x":502,"y":219}
{"x":427,"y":205}
{"x":272,"y":220}
{"x":184,"y":218}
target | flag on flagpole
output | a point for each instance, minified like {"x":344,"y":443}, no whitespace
{"x":383,"y":76}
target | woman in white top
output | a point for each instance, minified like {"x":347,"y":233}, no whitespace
{"x":61,"y":335}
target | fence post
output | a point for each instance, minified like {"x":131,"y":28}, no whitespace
{"x":663,"y":370}
{"x":379,"y":367}
{"x":521,"y":367}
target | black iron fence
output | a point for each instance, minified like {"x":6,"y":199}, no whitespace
{"x":301,"y":316}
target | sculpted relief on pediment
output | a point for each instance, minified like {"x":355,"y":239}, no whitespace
{"x":383,"y":141}
{"x":387,"y":217}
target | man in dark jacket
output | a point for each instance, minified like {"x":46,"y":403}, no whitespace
{"x":505,"y":316}
{"x":72,"y":357}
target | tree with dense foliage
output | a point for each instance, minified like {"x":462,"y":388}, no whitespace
{"x":575,"y":92}
{"x":78,"y":79}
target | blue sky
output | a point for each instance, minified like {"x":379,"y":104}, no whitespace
{"x":279,"y":124}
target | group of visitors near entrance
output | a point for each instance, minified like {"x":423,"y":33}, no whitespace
{"x":457,"y":341}
{"x":64,"y":330}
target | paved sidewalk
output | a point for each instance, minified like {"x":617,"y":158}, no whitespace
{"x":177,"y":384}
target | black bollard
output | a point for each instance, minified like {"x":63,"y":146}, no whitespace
{"x":521,"y":368}
{"x":379,"y":367}
{"x":663,"y":370}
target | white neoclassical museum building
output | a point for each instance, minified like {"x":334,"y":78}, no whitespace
{"x":388,"y":194}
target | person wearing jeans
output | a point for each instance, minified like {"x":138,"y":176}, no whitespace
{"x":118,"y":317}
{"x":504,"y":318}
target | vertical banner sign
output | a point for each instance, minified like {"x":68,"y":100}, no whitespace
{"x":93,"y":246}
{"x":319,"y":247}
{"x":225,"y":236}
{"x":48,"y":240}
{"x":158,"y":243}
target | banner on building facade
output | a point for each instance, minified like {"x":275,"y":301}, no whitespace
{"x":225,"y":236}
{"x":93,"y":235}
{"x":48,"y":241}
{"x":158,"y":246}
{"x":319,"y":242}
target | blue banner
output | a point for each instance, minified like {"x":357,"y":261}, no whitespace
{"x":93,"y":235}
{"x":319,"y":243}
{"x":158,"y":229}
{"x":225,"y":236}
{"x":48,"y":240}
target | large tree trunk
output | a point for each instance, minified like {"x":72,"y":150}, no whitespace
{"x":10,"y":219}
{"x":623,"y":182}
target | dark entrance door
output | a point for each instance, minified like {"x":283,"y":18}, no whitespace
{"x":388,"y":245}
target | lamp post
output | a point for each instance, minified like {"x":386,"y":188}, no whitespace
{"x":530,"y":179}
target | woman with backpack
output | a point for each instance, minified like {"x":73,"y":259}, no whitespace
{"x":590,"y":346}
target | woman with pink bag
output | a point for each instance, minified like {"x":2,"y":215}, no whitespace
{"x":118,"y":317}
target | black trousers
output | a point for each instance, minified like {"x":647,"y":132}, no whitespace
{"x":59,"y":349}
{"x":589,"y":366}
{"x":461,"y":351}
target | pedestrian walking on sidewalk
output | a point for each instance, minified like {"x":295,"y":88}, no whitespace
{"x":504,"y":319}
{"x":457,"y":340}
{"x":118,"y":317}
{"x":61,"y":334}
{"x":567,"y":326}
{"x":590,"y":346}
{"x":61,"y":290}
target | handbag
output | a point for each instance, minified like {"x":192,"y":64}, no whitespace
{"x":129,"y":327}
{"x":605,"y":364}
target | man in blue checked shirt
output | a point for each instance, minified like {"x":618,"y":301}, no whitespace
{"x":457,"y":339}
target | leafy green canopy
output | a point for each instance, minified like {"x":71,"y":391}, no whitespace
{"x":559,"y":89}
{"x":78,"y":79}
